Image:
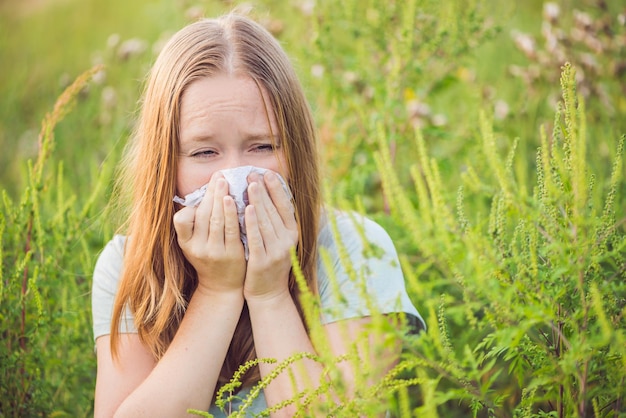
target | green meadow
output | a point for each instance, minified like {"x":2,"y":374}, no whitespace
{"x":487,"y":137}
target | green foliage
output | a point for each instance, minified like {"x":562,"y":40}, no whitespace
{"x":509,"y":224}
{"x":45,"y":261}
{"x":384,"y":65}
{"x":534,"y":322}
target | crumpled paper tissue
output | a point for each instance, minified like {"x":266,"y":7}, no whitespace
{"x":237,"y":179}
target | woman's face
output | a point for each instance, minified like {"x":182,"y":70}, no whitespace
{"x":224,"y":124}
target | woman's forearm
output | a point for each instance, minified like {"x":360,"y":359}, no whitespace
{"x":186,"y":376}
{"x":278,"y":334}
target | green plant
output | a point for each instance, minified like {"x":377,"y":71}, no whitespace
{"x":531,"y":318}
{"x":385,"y":65}
{"x":46,"y":256}
{"x":494,"y":233}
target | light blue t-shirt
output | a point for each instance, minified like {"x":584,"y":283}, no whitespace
{"x":373,"y":272}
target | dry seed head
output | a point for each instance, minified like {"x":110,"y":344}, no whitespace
{"x":551,"y":12}
{"x":582,"y":20}
{"x":501,"y":109}
{"x":317,"y":70}
{"x":307,"y":7}
{"x":100,"y":77}
{"x":552,"y":40}
{"x":113,"y":41}
{"x":417,"y":108}
{"x":131,"y":47}
{"x":350,"y":77}
{"x":525,"y":43}
{"x":109,"y":97}
{"x":194,"y":13}
{"x":439,"y":120}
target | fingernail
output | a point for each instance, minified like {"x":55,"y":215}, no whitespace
{"x":269,"y":176}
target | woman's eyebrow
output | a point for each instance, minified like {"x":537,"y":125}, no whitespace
{"x":193,"y":139}
{"x":263,"y":137}
{"x":267,"y":135}
{"x":201,"y":139}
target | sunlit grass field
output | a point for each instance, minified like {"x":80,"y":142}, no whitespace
{"x":455,"y":124}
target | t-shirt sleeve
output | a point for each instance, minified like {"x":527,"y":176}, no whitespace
{"x":106,"y":278}
{"x":359,"y":272}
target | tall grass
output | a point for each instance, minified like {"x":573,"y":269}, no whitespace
{"x":509,"y":225}
{"x":46,"y":258}
{"x":531,"y":318}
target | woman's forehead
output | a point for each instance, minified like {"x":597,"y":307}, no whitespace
{"x":224,"y":102}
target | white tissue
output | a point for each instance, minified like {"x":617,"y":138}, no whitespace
{"x":192,"y":199}
{"x":237,"y":179}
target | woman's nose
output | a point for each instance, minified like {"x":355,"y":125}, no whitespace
{"x":238,"y":159}
{"x":232,"y":161}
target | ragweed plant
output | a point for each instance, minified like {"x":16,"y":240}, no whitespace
{"x":514,"y":258}
{"x":45,"y":259}
{"x":531,"y":318}
{"x":385,"y":64}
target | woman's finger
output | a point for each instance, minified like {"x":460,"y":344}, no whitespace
{"x":216,"y":222}
{"x":232,"y":234}
{"x":203,"y":212}
{"x":281,"y":200}
{"x":267,"y":220}
{"x":184,"y":223}
{"x":256,"y":246}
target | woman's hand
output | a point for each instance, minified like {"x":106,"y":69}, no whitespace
{"x":272,"y":231}
{"x":210,"y":240}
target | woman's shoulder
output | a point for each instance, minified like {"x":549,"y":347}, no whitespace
{"x":115,"y":246}
{"x":352,"y":229}
{"x":349,"y":241}
{"x":109,"y":263}
{"x":358,"y":269}
{"x":106,"y":277}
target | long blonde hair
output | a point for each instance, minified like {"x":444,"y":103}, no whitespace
{"x":157,"y":282}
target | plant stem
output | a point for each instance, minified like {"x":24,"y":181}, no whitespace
{"x":582,"y":404}
{"x":25,"y":287}
{"x":559,"y":348}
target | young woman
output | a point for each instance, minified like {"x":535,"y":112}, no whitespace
{"x":177,"y":307}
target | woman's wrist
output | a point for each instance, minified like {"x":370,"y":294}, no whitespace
{"x":216,"y":295}
{"x":269,"y":300}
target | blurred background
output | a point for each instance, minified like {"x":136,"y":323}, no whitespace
{"x":510,"y":63}
{"x":469,"y":77}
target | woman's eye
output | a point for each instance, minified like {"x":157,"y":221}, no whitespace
{"x":265,"y":147}
{"x":203,"y":153}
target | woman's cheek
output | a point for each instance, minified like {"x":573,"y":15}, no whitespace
{"x":190,"y":178}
